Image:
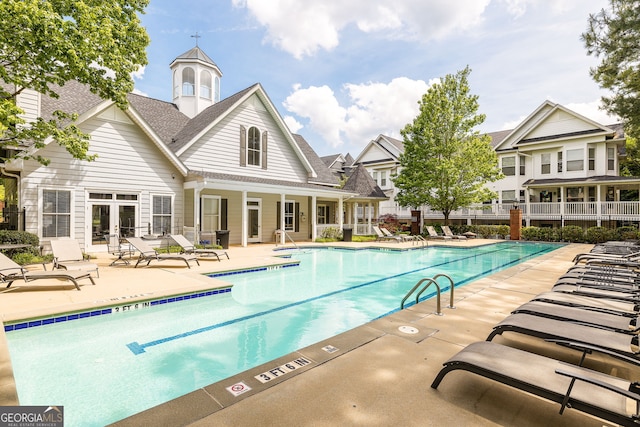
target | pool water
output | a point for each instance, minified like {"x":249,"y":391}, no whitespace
{"x":105,"y":368}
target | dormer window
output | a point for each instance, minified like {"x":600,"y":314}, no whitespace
{"x":188,"y":82}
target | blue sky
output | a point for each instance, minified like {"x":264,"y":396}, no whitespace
{"x":342,"y":72}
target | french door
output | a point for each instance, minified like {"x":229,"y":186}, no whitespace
{"x":111,"y":213}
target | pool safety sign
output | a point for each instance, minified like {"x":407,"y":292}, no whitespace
{"x":238,"y":388}
{"x":282,"y":370}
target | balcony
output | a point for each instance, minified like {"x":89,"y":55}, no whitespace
{"x":535,"y":211}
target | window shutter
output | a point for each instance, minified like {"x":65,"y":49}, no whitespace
{"x":296,"y":218}
{"x":223,"y":214}
{"x":264,"y":149}
{"x":277,"y":215}
{"x":243,"y":146}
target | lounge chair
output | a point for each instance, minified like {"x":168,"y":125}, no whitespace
{"x":10,"y":271}
{"x":148,"y":254}
{"x":447,"y":232}
{"x":618,"y":344}
{"x":571,"y":386}
{"x":403,"y":237}
{"x":634,"y":256}
{"x":116,"y":248}
{"x":615,"y":322}
{"x":599,"y":305}
{"x":433,"y":234}
{"x":382,"y":236}
{"x":189,"y":248}
{"x":67,"y":255}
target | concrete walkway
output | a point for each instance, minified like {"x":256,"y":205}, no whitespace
{"x":378,"y":374}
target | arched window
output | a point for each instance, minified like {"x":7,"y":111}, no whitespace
{"x":176,"y":84}
{"x":188,"y":82}
{"x":253,"y":146}
{"x":205,"y":84}
{"x":216,"y":93}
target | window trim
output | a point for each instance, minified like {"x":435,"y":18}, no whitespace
{"x":573,"y":162}
{"x":611,"y":160}
{"x":291,"y":215}
{"x":153,"y":215}
{"x":191,"y":84}
{"x":545,"y":163}
{"x":41,"y":213}
{"x":509,"y":170}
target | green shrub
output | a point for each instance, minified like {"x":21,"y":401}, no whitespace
{"x":25,"y":258}
{"x":331,"y":233}
{"x":572,"y":233}
{"x":628,"y":233}
{"x":503,"y":230}
{"x":599,"y":235}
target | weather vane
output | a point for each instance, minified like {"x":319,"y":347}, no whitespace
{"x":196,"y":37}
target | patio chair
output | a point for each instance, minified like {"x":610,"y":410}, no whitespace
{"x":433,"y":234}
{"x":599,"y":305}
{"x":189,"y":248}
{"x":618,"y":344}
{"x":148,"y":254}
{"x":403,"y":237}
{"x":575,"y":387}
{"x":116,"y":248}
{"x":10,"y":271}
{"x":614,"y":322}
{"x":447,"y":232}
{"x":383,"y":237}
{"x":67,"y":255}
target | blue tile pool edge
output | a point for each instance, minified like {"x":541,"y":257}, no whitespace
{"x":58,"y":318}
{"x":101,"y":311}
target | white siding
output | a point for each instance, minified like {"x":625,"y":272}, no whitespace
{"x":219,"y":150}
{"x":558,"y":123}
{"x":374,"y":154}
{"x":127,"y":162}
{"x":29,"y":101}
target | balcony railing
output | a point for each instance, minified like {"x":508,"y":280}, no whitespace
{"x":597,"y":210}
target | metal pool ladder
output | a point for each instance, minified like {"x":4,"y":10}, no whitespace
{"x":430,"y":281}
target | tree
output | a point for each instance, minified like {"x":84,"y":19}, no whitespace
{"x":45,"y":43}
{"x":445,"y":163}
{"x":614,"y":36}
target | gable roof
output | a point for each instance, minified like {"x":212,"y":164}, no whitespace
{"x":362,"y":183}
{"x":393,"y":147}
{"x":211,"y":116}
{"x":540,"y":126}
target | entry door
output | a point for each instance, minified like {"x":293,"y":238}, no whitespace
{"x":111,"y":218}
{"x":254,"y":220}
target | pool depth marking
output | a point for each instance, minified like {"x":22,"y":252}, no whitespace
{"x":137,"y":348}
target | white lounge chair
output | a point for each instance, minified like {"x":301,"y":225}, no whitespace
{"x":68,"y":255}
{"x":148,"y":254}
{"x":190,"y":248}
{"x":10,"y":271}
{"x":116,"y":248}
{"x":447,"y":232}
{"x":433,"y":234}
{"x":382,"y":236}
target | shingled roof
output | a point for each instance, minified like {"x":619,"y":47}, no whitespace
{"x":362,"y":183}
{"x":324,"y":175}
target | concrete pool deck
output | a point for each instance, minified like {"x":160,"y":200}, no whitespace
{"x":373,"y":375}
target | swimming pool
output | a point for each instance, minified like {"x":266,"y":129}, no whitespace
{"x":108,"y":367}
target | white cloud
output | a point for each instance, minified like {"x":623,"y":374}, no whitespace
{"x":374,"y":108}
{"x":593,"y":111}
{"x":293,"y":125}
{"x":310,"y":25}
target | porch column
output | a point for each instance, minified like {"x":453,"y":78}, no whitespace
{"x":196,"y":213}
{"x":599,"y":205}
{"x":314,"y":219}
{"x":527,"y":207}
{"x":243,"y":220}
{"x":562,"y":191}
{"x":282,"y":211}
{"x":340,"y":213}
{"x":370,"y":206}
{"x":355,"y":217}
